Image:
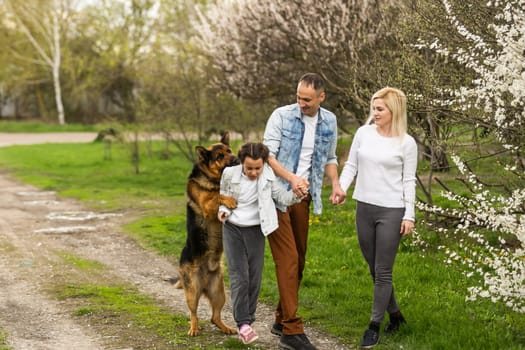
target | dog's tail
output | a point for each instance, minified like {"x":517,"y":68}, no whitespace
{"x":174,"y":280}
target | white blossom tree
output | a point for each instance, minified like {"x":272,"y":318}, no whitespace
{"x":499,"y":92}
{"x":261,"y":47}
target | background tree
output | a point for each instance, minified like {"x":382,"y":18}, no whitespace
{"x":18,"y":78}
{"x":260,"y":46}
{"x":43,"y":24}
{"x":176,"y":92}
{"x":120,"y":34}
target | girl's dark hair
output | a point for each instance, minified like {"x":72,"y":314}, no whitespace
{"x":254,"y":150}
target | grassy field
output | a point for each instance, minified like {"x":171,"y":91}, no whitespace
{"x":336,"y":294}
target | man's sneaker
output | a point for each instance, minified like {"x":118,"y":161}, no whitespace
{"x":393,"y":325}
{"x":295,"y":342}
{"x":307,"y":341}
{"x":277,"y":329}
{"x":247,"y":334}
{"x":370,"y":339}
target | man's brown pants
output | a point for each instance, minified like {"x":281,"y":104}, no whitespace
{"x":288,"y":244}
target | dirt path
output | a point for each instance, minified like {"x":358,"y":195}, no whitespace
{"x":35,"y":225}
{"x":9,"y":139}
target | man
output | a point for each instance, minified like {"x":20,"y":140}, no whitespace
{"x":302,"y":139}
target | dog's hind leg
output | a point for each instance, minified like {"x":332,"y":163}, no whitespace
{"x":192,"y":299}
{"x":192,"y":291}
{"x":217,"y":298}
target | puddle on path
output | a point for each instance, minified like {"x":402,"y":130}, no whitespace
{"x":36,"y":193}
{"x":80,"y":215}
{"x":42,"y":202}
{"x":66,"y":229}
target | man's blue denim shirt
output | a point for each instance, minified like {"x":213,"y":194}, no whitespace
{"x":284,"y":138}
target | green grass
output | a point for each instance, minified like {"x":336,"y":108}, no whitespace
{"x":123,"y":316}
{"x":82,"y":264}
{"x":139,"y":311}
{"x":108,"y":184}
{"x":3,"y":341}
{"x":165,"y":234}
{"x":336,"y":293}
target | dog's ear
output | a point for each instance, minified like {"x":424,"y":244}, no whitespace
{"x":202,"y":153}
{"x":226,"y":138}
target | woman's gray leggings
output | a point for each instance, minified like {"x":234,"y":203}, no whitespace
{"x":378,"y":233}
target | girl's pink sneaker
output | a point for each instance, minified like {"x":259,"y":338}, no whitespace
{"x":247,"y":334}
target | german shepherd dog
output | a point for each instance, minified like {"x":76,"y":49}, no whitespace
{"x":200,"y":267}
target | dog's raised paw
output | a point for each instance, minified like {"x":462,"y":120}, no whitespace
{"x":229,"y":202}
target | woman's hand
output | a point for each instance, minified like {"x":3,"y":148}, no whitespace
{"x":407,"y":226}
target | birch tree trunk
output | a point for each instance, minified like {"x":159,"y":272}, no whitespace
{"x":56,"y":65}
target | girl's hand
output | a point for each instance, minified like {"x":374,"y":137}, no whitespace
{"x":407,"y":226}
{"x":222,"y":216}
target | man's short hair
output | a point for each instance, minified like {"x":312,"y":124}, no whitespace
{"x":313,"y":79}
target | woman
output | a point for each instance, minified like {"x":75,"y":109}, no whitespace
{"x":254,"y":185}
{"x":383,"y":159}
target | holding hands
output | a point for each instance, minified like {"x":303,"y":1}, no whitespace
{"x":300,"y":186}
{"x":338,"y":196}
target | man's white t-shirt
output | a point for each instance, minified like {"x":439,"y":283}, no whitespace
{"x":307,"y":149}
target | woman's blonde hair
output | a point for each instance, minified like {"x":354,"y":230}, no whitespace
{"x":396,"y":101}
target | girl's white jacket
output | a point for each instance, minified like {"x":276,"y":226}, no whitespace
{"x":269,"y":189}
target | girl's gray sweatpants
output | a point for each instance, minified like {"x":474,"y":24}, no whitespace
{"x":378,"y":233}
{"x":244,"y":251}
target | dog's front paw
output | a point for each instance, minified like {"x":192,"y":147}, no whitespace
{"x":229,"y":202}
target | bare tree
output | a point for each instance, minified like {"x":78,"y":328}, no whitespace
{"x":43,"y":25}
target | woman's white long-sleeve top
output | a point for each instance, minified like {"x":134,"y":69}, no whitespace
{"x":268,"y":190}
{"x":385,"y":168}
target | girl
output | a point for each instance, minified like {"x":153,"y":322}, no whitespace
{"x":255,"y":187}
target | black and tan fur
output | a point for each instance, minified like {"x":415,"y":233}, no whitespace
{"x":200,"y":267}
